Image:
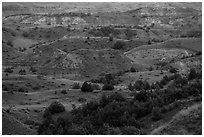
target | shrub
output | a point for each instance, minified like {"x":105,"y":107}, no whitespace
{"x":21,"y":90}
{"x":117,"y":97}
{"x":130,"y":87}
{"x":56,"y":107}
{"x":109,"y":78}
{"x":32,"y":69}
{"x":199,"y":53}
{"x":95,"y":86}
{"x":173,"y":70}
{"x":82,"y":99}
{"x":36,"y":87}
{"x":156,"y":114}
{"x":163,"y":81}
{"x":110,"y":38}
{"x":47,"y":114}
{"x":10,"y":43}
{"x":4,"y":87}
{"x":132,"y":69}
{"x":22,"y":72}
{"x":86,"y":87}
{"x":192,"y":74}
{"x":150,"y":68}
{"x":119,"y":45}
{"x":129,"y":33}
{"x":108,"y":87}
{"x":8,"y":70}
{"x":64,"y":92}
{"x":140,"y":85}
{"x":76,"y":86}
{"x":25,"y":34}
{"x":142,"y":96}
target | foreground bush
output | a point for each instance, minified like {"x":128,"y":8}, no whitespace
{"x":56,"y":107}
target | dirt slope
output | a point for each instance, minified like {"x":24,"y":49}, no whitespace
{"x":11,"y":126}
{"x":186,"y":122}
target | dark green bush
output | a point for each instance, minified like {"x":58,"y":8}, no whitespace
{"x":141,"y":85}
{"x":56,"y":107}
{"x":114,"y":114}
{"x":22,"y":72}
{"x":130,"y":87}
{"x":119,"y":45}
{"x":110,"y":38}
{"x":25,"y":34}
{"x":142,"y":96}
{"x":108,"y":87}
{"x":64,"y":92}
{"x":192,"y":74}
{"x":132,"y":69}
{"x":173,"y":70}
{"x":76,"y":86}
{"x":10,"y":43}
{"x":156,"y":114}
{"x":86,"y":87}
{"x":21,"y":89}
{"x":95,"y":87}
{"x":8,"y":70}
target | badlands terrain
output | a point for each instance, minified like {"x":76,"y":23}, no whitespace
{"x":101,"y":68}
